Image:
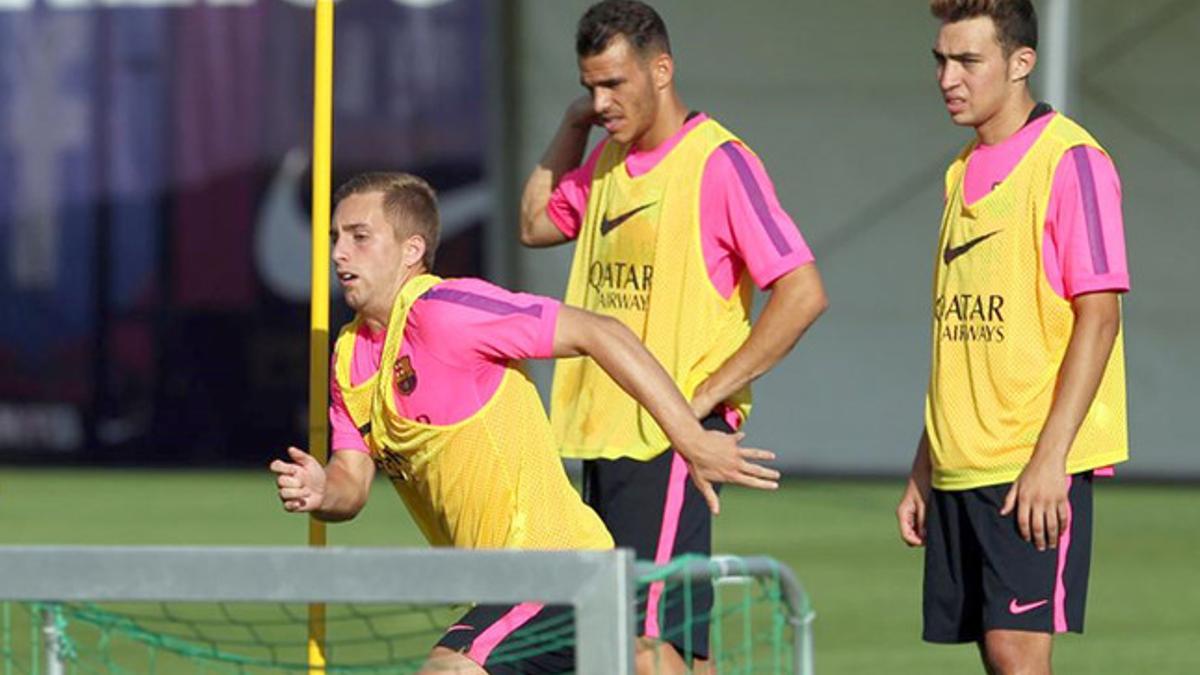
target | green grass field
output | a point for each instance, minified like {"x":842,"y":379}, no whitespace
{"x":839,"y":537}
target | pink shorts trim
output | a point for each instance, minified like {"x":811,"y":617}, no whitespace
{"x":1060,"y":588}
{"x":482,"y":646}
{"x":672,"y":509}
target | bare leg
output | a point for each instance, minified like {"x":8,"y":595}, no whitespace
{"x":987,"y":667}
{"x":1015,"y":652}
{"x":655,"y":657}
{"x":442,"y":661}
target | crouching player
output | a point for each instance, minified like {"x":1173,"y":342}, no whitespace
{"x":425,"y":385}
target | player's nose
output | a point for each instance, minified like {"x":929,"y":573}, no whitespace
{"x":600,"y":102}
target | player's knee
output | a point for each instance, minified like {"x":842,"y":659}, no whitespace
{"x":443,"y":661}
{"x":654,"y":657}
{"x":1017,"y":653}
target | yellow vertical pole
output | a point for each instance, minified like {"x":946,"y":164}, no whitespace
{"x":318,"y":369}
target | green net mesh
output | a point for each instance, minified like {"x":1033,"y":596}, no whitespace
{"x":751,"y":629}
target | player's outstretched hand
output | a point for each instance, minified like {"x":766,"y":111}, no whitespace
{"x":301,"y":482}
{"x":717,"y":458}
{"x":910,"y":514}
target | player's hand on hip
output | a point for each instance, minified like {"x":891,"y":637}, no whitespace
{"x":300,"y":482}
{"x":910,"y":514}
{"x":1039,"y":499}
{"x":718,"y":458}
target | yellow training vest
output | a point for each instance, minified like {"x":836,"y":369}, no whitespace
{"x":492,"y":480}
{"x":638,"y":259}
{"x":1000,"y":332}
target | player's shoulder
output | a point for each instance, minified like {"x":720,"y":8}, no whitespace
{"x":1065,"y":125}
{"x":1089,"y":160}
{"x":1070,"y":134}
{"x":451,"y":295}
{"x":733,"y":158}
{"x":460,"y":285}
{"x":467,"y":296}
{"x":707,"y":123}
{"x":443,"y":316}
{"x":1083,"y":157}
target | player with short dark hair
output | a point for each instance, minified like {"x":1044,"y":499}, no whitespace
{"x":634,"y":21}
{"x":426,"y":386}
{"x":1026,"y":393}
{"x":675,"y":221}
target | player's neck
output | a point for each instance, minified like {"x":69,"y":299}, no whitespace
{"x":670,"y":119}
{"x":376,"y":323}
{"x":377,"y":318}
{"x":1008,"y":121}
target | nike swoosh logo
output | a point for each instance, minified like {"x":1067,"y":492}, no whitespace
{"x":283,"y":233}
{"x":1016,"y":608}
{"x":607,"y":225}
{"x":953,"y":252}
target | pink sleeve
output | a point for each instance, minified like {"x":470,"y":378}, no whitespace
{"x":740,"y":216}
{"x":568,"y":201}
{"x":1085,"y":242}
{"x":343,"y":435}
{"x":474,"y":316}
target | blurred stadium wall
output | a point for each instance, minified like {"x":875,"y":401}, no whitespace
{"x":152,"y":212}
{"x":154,"y":246}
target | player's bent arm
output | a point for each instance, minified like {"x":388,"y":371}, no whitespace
{"x":713,"y":456}
{"x":796,"y":300}
{"x":332,"y":493}
{"x":538,"y":231}
{"x":618,"y":351}
{"x":348,"y":479}
{"x":1039,"y":496}
{"x":1097,"y":322}
{"x":564,"y":153}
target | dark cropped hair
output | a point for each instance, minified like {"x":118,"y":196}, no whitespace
{"x":409,"y":203}
{"x":1015,"y":20}
{"x":635,"y":20}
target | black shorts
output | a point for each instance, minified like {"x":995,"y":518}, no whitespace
{"x":980,"y":575}
{"x":525,"y":639}
{"x":653,"y":508}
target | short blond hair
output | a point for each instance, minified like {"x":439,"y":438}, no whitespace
{"x":409,"y":203}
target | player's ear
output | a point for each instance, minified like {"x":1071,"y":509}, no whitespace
{"x":1021,"y":63}
{"x":662,"y":70}
{"x":413,"y":250}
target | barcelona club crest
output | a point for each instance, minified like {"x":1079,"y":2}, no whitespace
{"x":406,"y":377}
